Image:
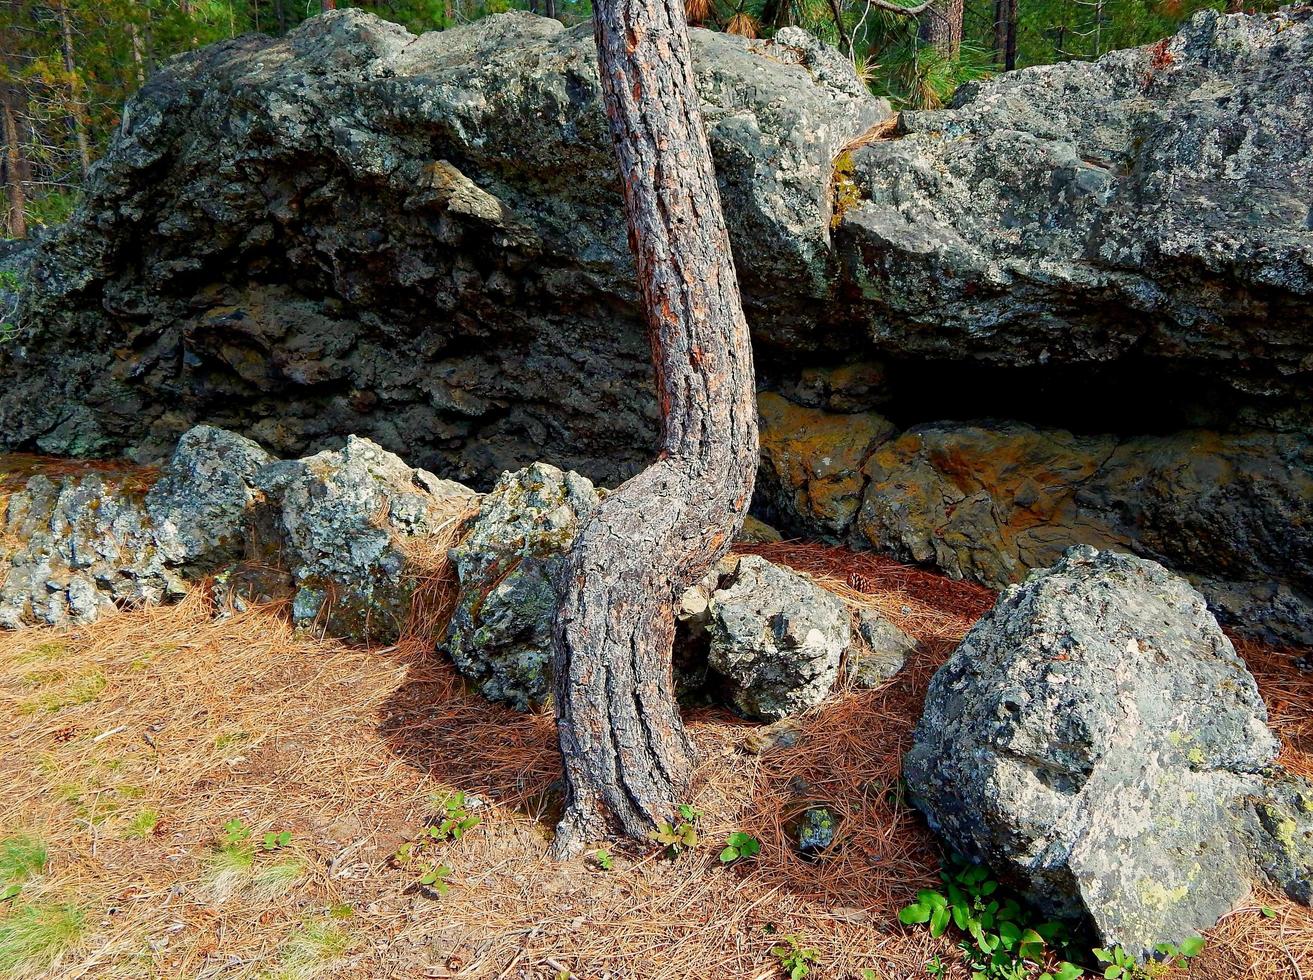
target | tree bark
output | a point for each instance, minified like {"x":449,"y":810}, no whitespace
{"x":1005,"y":33}
{"x":16,"y":218}
{"x":326,"y":5}
{"x":627,"y":759}
{"x":941,"y":27}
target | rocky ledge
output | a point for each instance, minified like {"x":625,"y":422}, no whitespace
{"x":1072,"y":307}
{"x":348,"y":537}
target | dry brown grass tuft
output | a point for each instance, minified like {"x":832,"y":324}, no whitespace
{"x":132,"y":742}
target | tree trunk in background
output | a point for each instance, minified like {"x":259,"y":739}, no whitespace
{"x":1005,"y":33}
{"x":16,"y":215}
{"x":550,"y":8}
{"x":280,"y":17}
{"x":325,"y":5}
{"x":941,"y":28}
{"x":79,"y":124}
{"x":626,"y":756}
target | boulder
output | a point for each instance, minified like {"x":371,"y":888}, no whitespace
{"x":1279,"y":826}
{"x":198,"y":507}
{"x":1094,"y":740}
{"x":500,"y":636}
{"x":344,"y":519}
{"x":776,"y":639}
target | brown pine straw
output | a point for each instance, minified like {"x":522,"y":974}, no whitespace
{"x":206,"y":719}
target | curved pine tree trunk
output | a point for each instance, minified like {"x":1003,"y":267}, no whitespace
{"x":627,"y":759}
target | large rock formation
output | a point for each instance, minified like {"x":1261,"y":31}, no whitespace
{"x":1078,"y":298}
{"x":1096,"y":740}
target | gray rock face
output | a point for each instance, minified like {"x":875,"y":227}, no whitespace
{"x":342,"y":517}
{"x":1110,"y":259}
{"x":500,"y":635}
{"x":198,"y":506}
{"x":1077,"y":212}
{"x":1094,"y":739}
{"x":473,"y":305}
{"x":335,"y":521}
{"x":1279,"y":825}
{"x":776,"y":639}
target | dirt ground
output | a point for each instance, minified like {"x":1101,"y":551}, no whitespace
{"x":150,"y":754}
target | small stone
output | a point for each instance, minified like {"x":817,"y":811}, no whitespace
{"x":880,"y":655}
{"x":815,"y":830}
{"x":776,"y":639}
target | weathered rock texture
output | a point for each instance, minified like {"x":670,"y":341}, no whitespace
{"x":344,"y":517}
{"x":330,"y":528}
{"x":776,"y":639}
{"x":421,"y":240}
{"x":1097,"y":739}
{"x":500,"y":635}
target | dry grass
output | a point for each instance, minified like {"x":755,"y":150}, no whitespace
{"x":132,"y":742}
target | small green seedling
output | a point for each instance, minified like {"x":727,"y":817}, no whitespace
{"x":679,"y":834}
{"x":274,"y":842}
{"x":795,"y":958}
{"x":235,"y":832}
{"x":739,"y":845}
{"x":455,"y":821}
{"x":435,"y":879}
{"x":603,"y":858}
{"x":1000,"y":942}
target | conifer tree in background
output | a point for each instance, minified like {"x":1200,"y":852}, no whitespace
{"x":66,"y":66}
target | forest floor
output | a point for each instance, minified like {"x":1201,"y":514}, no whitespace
{"x":146,"y":757}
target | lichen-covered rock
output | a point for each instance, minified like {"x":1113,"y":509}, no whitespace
{"x":198,"y":506}
{"x":1093,"y":739}
{"x":88,"y":545}
{"x":500,"y":636}
{"x":881,"y":652}
{"x":776,"y":639}
{"x":1279,"y":824}
{"x":343,"y":517}
{"x":473,"y":308}
{"x":811,"y":463}
{"x":814,"y":831}
{"x":87,"y":548}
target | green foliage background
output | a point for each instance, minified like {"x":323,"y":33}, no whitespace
{"x":116,"y":43}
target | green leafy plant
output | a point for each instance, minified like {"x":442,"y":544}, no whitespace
{"x":739,"y":845}
{"x":451,"y":823}
{"x":435,"y":879}
{"x":235,"y":832}
{"x":1120,"y":965}
{"x":604,"y":859}
{"x":679,"y":834}
{"x":795,"y":958}
{"x":274,"y":841}
{"x":1000,"y":943}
